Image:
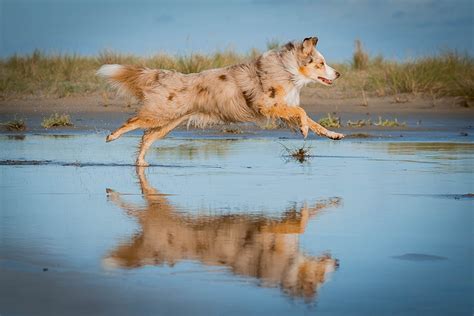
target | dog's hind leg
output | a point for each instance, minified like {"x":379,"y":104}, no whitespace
{"x":153,"y":134}
{"x":321,"y":131}
{"x":130,"y":125}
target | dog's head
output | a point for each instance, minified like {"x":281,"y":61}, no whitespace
{"x":309,"y":275}
{"x":312,"y":64}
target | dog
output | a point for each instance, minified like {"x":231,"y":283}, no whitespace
{"x":262,"y":247}
{"x":265,"y":88}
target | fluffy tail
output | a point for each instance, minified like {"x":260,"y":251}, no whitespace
{"x":129,"y":79}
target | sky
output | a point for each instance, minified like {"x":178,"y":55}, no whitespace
{"x":397,"y":29}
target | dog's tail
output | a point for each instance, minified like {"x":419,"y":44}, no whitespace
{"x":129,"y":79}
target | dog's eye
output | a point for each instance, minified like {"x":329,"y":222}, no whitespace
{"x":310,"y":60}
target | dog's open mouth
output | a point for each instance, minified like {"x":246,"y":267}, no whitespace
{"x":326,"y":81}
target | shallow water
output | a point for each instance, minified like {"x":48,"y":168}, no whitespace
{"x":231,"y":226}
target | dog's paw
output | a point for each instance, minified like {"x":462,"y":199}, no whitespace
{"x":335,"y":136}
{"x":109,"y":138}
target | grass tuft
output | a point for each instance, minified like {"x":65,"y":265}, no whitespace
{"x":389,"y":123}
{"x":381,"y":122}
{"x":15,"y":125}
{"x":330,"y":121}
{"x":56,"y":120}
{"x":359,"y":123}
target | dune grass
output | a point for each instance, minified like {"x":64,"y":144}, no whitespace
{"x":40,"y":75}
{"x":448,"y":74}
{"x":360,"y":58}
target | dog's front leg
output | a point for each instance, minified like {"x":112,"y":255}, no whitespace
{"x":321,"y":131}
{"x":289,"y":114}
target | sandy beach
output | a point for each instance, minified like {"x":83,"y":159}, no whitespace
{"x":93,"y":112}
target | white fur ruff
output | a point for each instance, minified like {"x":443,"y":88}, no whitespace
{"x":108,"y":71}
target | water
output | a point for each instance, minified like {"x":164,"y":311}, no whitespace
{"x":229,"y":226}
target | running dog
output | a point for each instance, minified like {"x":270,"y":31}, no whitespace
{"x":265,"y":88}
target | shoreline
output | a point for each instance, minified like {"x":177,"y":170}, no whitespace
{"x":92,"y":113}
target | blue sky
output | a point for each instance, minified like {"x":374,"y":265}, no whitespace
{"x":394,"y":28}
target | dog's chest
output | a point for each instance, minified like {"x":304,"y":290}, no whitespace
{"x":292,"y":97}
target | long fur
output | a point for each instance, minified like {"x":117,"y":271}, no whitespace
{"x":248,"y":92}
{"x":231,"y":94}
{"x":128,"y":79}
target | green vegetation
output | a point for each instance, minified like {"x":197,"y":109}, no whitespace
{"x":359,"y":123}
{"x":15,"y":125}
{"x":330,"y":121}
{"x":42,"y":75}
{"x":39,"y":75}
{"x":449,"y":74}
{"x":381,"y":122}
{"x":56,"y":120}
{"x":446,"y":74}
{"x":389,"y":123}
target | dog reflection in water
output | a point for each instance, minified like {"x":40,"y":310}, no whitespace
{"x":250,"y":245}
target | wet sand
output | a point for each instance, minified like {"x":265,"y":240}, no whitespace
{"x":225,"y":224}
{"x":93,"y":113}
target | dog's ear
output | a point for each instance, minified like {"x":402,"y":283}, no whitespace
{"x":308,"y":44}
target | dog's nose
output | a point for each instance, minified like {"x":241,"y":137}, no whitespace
{"x":337,"y":74}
